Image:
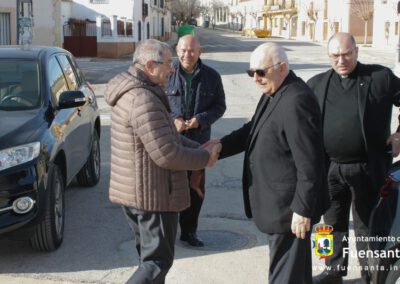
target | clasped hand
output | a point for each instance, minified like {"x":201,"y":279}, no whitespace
{"x":213,"y":147}
{"x":300,"y":225}
{"x":182,"y":125}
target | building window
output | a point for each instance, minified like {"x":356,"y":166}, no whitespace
{"x":303,"y":28}
{"x":5,"y":29}
{"x":100,"y":1}
{"x":396,"y":28}
{"x":336,"y":27}
{"x":155,"y":2}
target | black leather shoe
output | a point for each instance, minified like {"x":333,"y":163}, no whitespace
{"x":326,"y":278}
{"x":192,"y":239}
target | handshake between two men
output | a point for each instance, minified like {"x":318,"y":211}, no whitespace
{"x":300,"y":225}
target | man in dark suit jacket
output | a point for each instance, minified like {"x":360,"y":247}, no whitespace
{"x":356,"y":102}
{"x":283,"y":176}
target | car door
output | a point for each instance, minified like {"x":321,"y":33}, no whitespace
{"x":86,"y":112}
{"x":68,"y":124}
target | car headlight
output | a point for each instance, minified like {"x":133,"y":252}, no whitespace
{"x":14,"y":156}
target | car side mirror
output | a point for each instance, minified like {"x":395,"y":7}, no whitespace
{"x":70,"y":99}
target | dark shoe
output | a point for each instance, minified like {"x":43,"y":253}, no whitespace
{"x":192,"y":239}
{"x":326,"y":278}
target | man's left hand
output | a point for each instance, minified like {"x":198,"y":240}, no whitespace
{"x":300,"y":225}
{"x":192,"y":123}
{"x":394,"y":140}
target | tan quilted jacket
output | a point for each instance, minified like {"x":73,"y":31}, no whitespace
{"x":149,"y":158}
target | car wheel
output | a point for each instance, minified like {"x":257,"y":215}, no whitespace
{"x":89,"y":175}
{"x":49,"y":232}
{"x":394,"y":274}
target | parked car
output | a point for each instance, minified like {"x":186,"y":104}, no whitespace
{"x":384,"y":235}
{"x":193,"y":22}
{"x":49,"y":133}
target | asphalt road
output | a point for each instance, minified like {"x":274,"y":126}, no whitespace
{"x":98,"y":245}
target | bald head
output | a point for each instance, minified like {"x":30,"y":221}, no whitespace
{"x":342,"y":37}
{"x":343,"y":53}
{"x":188,"y":50}
{"x":188,"y":40}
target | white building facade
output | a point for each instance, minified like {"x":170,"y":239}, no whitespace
{"x":386,"y":24}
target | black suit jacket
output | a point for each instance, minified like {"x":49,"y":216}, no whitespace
{"x":378,"y":89}
{"x":283,"y":168}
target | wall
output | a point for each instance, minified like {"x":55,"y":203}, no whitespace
{"x":46,"y":29}
{"x":83,"y":9}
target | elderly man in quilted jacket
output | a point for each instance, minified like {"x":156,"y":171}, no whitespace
{"x":149,"y":159}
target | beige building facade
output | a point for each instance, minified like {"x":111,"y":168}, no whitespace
{"x":314,"y":20}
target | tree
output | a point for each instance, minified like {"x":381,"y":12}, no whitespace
{"x":312,"y":12}
{"x":185,"y":9}
{"x":363,"y":9}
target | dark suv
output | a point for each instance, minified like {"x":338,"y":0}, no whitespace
{"x":49,"y":133}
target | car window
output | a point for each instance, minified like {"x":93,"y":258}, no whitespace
{"x":57,"y":81}
{"x":78,"y":71}
{"x":68,"y":72}
{"x":19,"y":84}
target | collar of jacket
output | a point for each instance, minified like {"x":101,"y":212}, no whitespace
{"x":144,"y":82}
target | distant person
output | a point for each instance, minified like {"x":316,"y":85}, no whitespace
{"x":197,"y":100}
{"x":284,"y":186}
{"x":356,"y":102}
{"x":149,"y":158}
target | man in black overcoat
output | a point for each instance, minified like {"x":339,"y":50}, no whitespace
{"x":356,"y":102}
{"x":284,"y":185}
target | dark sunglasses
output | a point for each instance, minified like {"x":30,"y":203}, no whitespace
{"x":260,"y":72}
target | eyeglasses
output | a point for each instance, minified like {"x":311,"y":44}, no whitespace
{"x":170,"y":63}
{"x":260,"y":72}
{"x":347,"y":55}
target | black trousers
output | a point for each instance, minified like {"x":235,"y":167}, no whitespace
{"x":155,"y":235}
{"x":290,"y":259}
{"x":189,"y":218}
{"x":349,"y":184}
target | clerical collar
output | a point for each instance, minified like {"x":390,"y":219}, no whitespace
{"x":351,"y":75}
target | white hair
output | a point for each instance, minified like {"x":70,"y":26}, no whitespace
{"x":271,"y":51}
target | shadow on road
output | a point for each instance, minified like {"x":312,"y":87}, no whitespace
{"x":97,"y":235}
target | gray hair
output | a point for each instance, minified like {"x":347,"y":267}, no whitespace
{"x":273,"y":51}
{"x":150,"y":50}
